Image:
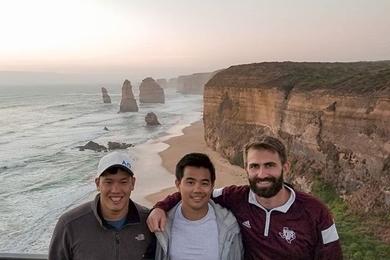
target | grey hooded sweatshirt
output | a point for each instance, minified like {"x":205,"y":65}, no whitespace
{"x":82,"y":234}
{"x":229,"y":236}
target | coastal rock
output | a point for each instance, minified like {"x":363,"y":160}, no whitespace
{"x":93,"y":146}
{"x":106,"y":97}
{"x":151,"y":119}
{"x":191,"y":84}
{"x":116,"y":146}
{"x":334,"y":118}
{"x":151,"y":92}
{"x":128,"y":102}
{"x":173,"y":83}
{"x":162,"y":83}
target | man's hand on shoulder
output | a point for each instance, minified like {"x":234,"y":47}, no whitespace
{"x":157,"y":220}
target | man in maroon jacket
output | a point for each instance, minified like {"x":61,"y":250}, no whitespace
{"x":276,"y":221}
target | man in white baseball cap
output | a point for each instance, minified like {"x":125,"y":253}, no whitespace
{"x":115,"y":159}
{"x":110,"y":227}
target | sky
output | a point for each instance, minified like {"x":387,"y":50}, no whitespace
{"x":108,"y":39}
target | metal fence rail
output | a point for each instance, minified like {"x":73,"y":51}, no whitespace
{"x":7,"y":256}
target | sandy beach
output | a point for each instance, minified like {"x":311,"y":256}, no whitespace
{"x":192,"y":140}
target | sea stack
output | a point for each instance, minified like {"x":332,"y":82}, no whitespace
{"x":106,"y":97}
{"x":151,"y":92}
{"x":128,"y":102}
{"x":151,"y":119}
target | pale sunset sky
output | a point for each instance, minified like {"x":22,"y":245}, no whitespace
{"x":166,"y":38}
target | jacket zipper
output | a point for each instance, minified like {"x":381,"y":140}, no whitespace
{"x":117,"y":240}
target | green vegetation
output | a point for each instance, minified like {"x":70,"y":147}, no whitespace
{"x":357,"y":239}
{"x":344,"y":77}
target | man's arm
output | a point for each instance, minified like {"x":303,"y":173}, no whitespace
{"x":331,"y":251}
{"x":169,"y":202}
{"x":59,"y":244}
{"x":157,"y":218}
{"x":329,"y":246}
{"x":227,"y":197}
{"x":230,"y":196}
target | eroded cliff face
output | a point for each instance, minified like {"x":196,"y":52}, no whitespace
{"x":191,"y":84}
{"x":334,"y":118}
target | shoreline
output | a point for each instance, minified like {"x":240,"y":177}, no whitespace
{"x":192,"y":140}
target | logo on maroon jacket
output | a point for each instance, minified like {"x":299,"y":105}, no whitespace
{"x":287,"y":234}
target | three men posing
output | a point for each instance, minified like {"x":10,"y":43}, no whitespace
{"x":276,"y":222}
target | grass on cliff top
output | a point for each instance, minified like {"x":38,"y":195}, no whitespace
{"x":357,"y":241}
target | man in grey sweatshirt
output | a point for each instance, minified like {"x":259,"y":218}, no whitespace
{"x":197,"y":228}
{"x":111,"y":226}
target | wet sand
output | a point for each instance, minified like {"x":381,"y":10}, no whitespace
{"x":192,"y":140}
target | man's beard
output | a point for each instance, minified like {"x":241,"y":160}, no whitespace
{"x":277,"y":185}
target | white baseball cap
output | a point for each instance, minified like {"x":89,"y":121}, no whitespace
{"x":115,"y":159}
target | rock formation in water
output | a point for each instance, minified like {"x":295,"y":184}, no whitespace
{"x":334,"y":118}
{"x":151,"y":119}
{"x":92,"y":146}
{"x":151,"y":92}
{"x":128,"y":102}
{"x":116,"y":145}
{"x":162,"y":82}
{"x":106,"y":97}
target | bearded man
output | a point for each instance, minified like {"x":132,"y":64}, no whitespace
{"x":276,"y":221}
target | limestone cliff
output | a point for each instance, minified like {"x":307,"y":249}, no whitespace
{"x":128,"y":102}
{"x":151,"y":92}
{"x":191,"y":84}
{"x":334,"y":117}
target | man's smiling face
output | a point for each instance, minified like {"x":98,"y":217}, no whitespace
{"x":115,"y":190}
{"x":265,"y":172}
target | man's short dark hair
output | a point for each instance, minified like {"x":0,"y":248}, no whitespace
{"x":267,"y":142}
{"x":195,"y":160}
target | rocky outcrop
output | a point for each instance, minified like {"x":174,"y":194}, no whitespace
{"x":101,"y":148}
{"x":162,"y":83}
{"x":116,"y":145}
{"x":128,"y":102}
{"x":173,"y":83}
{"x":191,"y":84}
{"x":151,"y":92}
{"x":106,"y":97}
{"x":92,"y":146}
{"x":334,"y":117}
{"x":151,"y":119}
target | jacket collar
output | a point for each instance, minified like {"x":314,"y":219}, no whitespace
{"x":131,"y":218}
{"x":225,"y":221}
{"x":283,"y":208}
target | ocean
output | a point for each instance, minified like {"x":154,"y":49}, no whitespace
{"x":43,"y":174}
